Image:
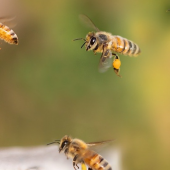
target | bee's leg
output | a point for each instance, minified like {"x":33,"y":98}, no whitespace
{"x":74,"y":165}
{"x":75,"y":162}
{"x":94,"y":52}
{"x":66,"y":153}
{"x":89,"y":168}
{"x":116,"y":64}
{"x":105,"y":53}
{"x":117,"y":57}
{"x":105,"y":59}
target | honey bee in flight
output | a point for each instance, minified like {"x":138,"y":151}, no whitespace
{"x":108,"y":45}
{"x":6,"y":33}
{"x":80,"y":152}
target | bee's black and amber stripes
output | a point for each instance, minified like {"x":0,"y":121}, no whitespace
{"x":97,"y":162}
{"x":124,"y":46}
{"x":8,"y":35}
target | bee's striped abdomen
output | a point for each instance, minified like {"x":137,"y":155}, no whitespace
{"x":97,"y":162}
{"x":8,"y":35}
{"x":124,"y":46}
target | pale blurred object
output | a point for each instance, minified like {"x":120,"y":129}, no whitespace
{"x":46,"y":157}
{"x":8,"y":8}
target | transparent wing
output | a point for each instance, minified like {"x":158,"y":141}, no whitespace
{"x":9,"y":21}
{"x":106,"y":61}
{"x":91,"y":144}
{"x":88,"y":22}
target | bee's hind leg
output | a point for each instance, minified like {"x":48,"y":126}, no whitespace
{"x":117,"y":57}
{"x":116,"y":64}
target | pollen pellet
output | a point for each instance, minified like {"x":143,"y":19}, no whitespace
{"x":83,"y":166}
{"x":116,"y":64}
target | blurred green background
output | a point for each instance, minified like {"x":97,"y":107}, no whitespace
{"x":51,"y":87}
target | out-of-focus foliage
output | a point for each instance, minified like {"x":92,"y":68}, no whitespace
{"x":51,"y":87}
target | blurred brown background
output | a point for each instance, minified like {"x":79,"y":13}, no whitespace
{"x":50,"y":87}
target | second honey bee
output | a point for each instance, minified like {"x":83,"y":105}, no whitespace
{"x":108,"y":45}
{"x":80,"y":152}
{"x":7,"y":34}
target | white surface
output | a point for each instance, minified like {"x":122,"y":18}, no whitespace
{"x":46,"y":158}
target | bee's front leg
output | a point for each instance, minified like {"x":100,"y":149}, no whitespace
{"x":66,"y":153}
{"x":75,"y":162}
{"x":105,"y":52}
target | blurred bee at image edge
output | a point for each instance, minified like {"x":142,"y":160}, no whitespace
{"x":81,"y":152}
{"x":6,"y":33}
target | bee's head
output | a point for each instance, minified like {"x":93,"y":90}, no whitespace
{"x":63,"y":143}
{"x":90,"y":41}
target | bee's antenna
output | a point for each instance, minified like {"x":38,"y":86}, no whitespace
{"x":83,"y":44}
{"x":79,"y":39}
{"x":56,"y":141}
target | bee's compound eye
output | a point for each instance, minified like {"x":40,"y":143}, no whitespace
{"x":116,"y":64}
{"x":93,"y":40}
{"x":64,"y":144}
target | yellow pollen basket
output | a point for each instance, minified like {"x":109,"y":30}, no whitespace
{"x":83,"y":166}
{"x":116,"y":64}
